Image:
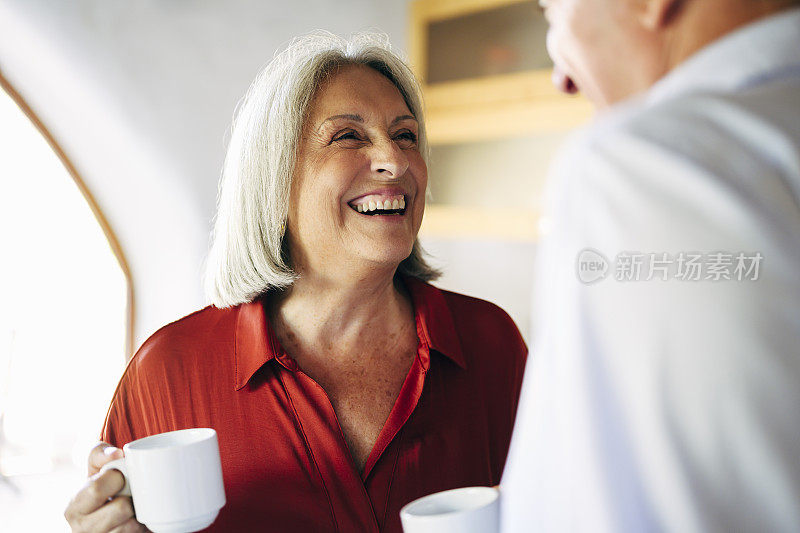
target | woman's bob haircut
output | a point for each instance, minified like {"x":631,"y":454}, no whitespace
{"x":248,"y":255}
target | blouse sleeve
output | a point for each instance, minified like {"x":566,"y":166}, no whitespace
{"x":150,"y":397}
{"x":516,"y":354}
{"x":122,"y":420}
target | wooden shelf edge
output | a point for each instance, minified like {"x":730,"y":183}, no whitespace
{"x":432,"y":10}
{"x":503,"y":122}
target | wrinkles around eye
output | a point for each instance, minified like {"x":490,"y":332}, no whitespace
{"x":404,"y":138}
{"x":349,"y":135}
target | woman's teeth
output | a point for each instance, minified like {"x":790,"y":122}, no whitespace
{"x":393,"y":204}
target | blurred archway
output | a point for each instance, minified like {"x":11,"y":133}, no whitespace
{"x":66,"y":308}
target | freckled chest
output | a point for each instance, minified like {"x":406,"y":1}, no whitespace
{"x":363,"y":389}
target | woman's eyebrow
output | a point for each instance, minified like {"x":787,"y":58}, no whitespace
{"x":349,"y":116}
{"x":402,"y":118}
{"x":359,"y":118}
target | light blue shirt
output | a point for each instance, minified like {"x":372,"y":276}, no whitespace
{"x":663,"y":386}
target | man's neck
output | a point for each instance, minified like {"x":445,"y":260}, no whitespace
{"x":701,"y":23}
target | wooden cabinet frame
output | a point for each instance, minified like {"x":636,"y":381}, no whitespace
{"x":507,"y":105}
{"x":484,"y":109}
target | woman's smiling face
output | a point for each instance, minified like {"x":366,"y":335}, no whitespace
{"x":358,"y":151}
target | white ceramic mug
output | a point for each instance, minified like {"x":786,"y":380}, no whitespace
{"x":175,"y":479}
{"x":466,"y":510}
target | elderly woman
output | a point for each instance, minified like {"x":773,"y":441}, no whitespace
{"x":341,"y":384}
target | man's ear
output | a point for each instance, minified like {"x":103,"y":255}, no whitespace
{"x":658,"y":14}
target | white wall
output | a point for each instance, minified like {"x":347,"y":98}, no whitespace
{"x":140,"y":95}
{"x":496,"y":270}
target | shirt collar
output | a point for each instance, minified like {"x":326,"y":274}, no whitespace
{"x":255,"y":342}
{"x":435,"y":324}
{"x":745,"y":56}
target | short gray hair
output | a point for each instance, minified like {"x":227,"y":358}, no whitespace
{"x":248,"y":255}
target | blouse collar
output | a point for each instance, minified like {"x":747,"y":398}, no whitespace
{"x":255,"y":342}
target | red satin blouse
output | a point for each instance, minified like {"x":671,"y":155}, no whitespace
{"x":285,"y":463}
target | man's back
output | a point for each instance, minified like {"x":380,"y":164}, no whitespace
{"x":662,"y":392}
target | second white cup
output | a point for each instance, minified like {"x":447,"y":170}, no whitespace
{"x":466,"y":510}
{"x":175,"y":479}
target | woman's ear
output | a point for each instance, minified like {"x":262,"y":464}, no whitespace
{"x":657,"y":14}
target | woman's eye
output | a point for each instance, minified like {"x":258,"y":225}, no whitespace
{"x":345,"y":136}
{"x":407,"y":136}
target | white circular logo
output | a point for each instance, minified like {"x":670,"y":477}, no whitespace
{"x":592,"y":266}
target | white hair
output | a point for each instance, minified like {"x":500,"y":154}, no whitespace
{"x":248,"y":254}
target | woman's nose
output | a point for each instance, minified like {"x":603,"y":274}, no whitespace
{"x":388,"y":160}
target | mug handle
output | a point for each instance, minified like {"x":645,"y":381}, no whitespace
{"x":118,"y":464}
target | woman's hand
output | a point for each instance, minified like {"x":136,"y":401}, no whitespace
{"x":90,"y":510}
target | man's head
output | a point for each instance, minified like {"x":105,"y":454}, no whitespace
{"x":613,"y":49}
